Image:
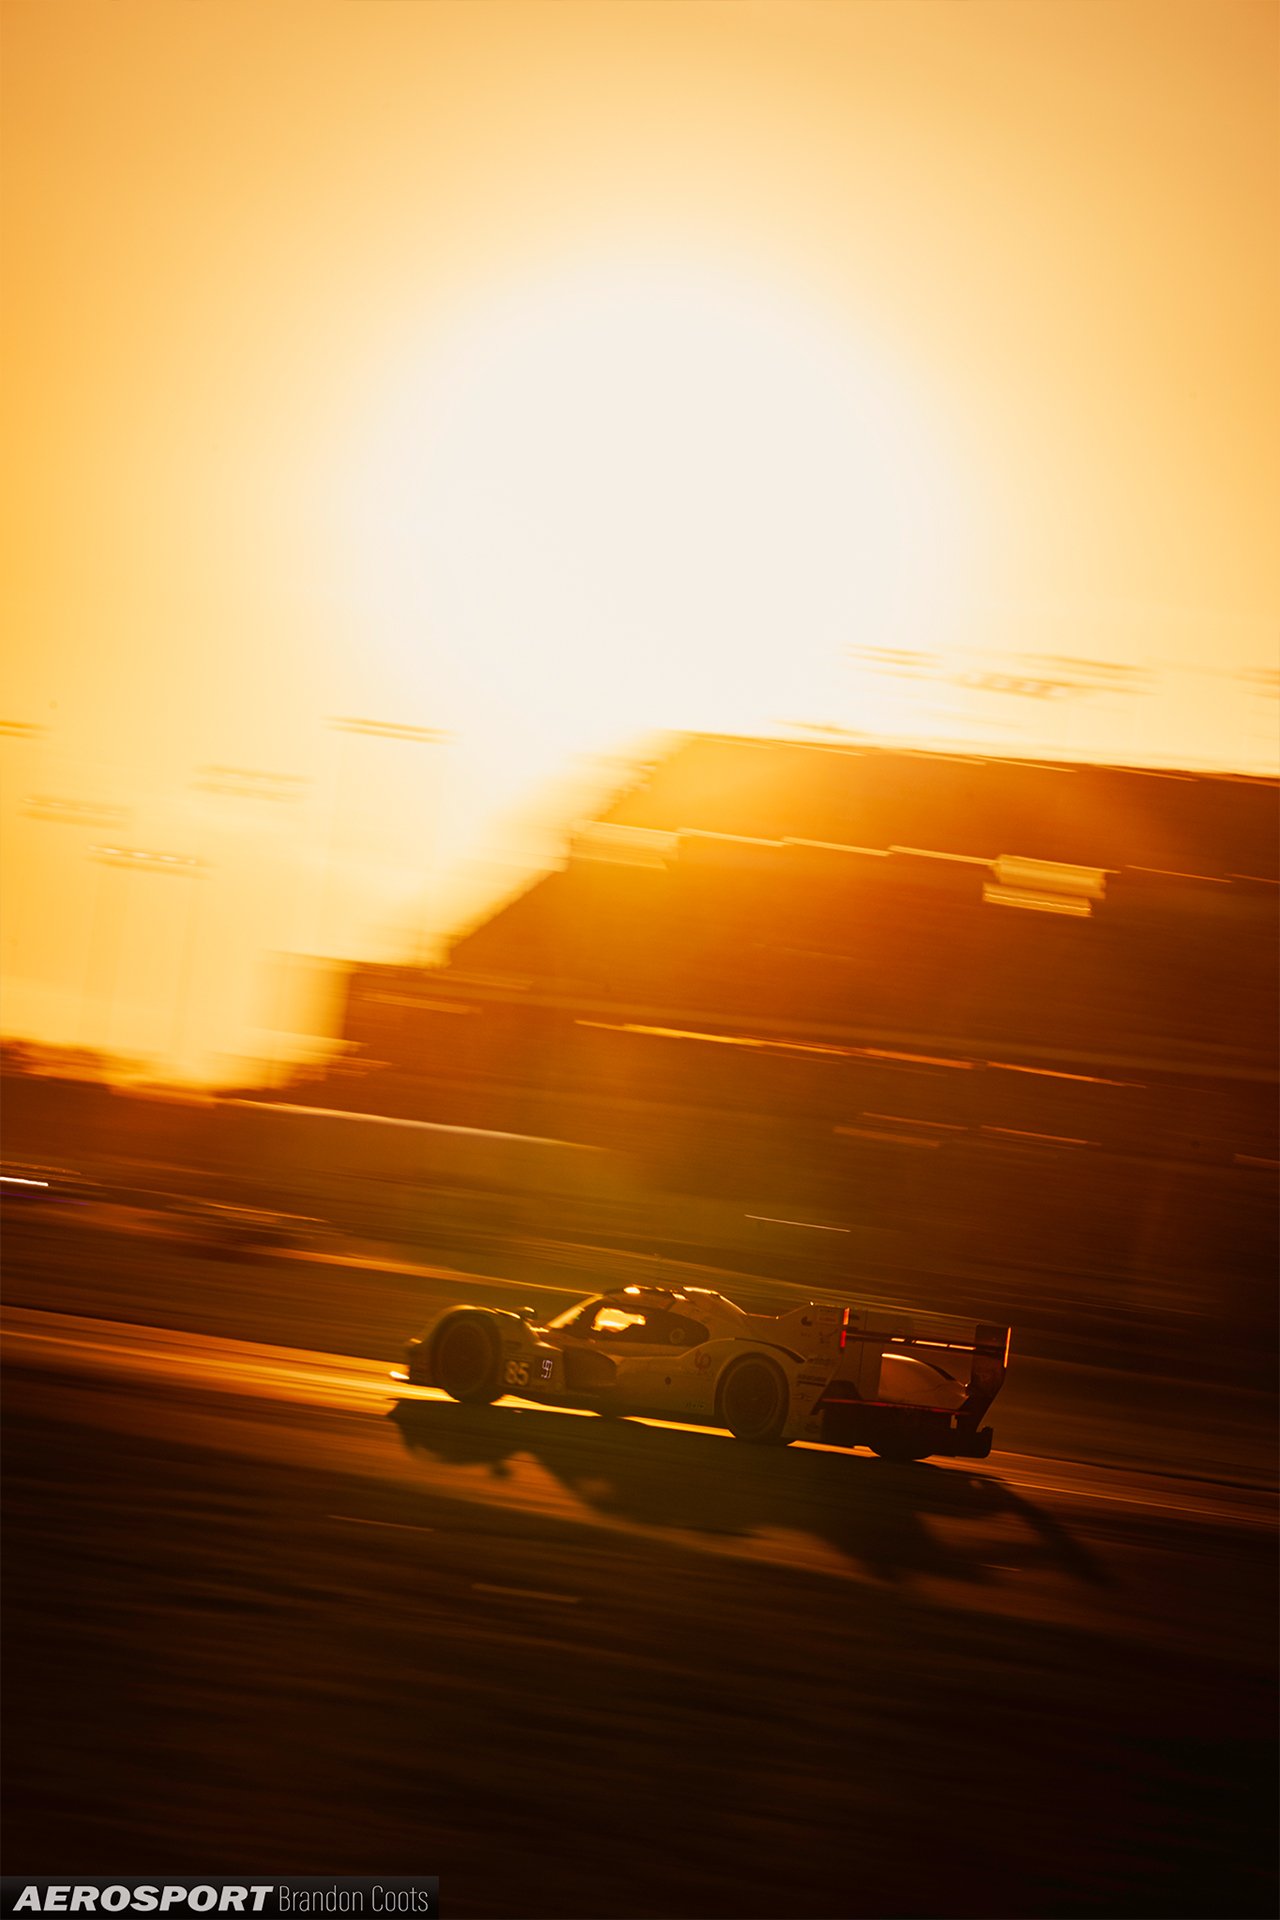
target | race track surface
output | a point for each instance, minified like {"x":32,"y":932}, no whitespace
{"x":263,"y":1616}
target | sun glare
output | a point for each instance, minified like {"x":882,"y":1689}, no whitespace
{"x":634,"y":496}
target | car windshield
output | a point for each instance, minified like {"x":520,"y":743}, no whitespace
{"x":616,"y":1320}
{"x":623,"y":1311}
{"x":580,"y":1309}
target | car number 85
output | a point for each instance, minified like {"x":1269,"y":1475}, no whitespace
{"x":517,"y":1374}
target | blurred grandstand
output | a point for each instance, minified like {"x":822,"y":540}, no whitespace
{"x":987,"y":1033}
{"x":848,"y":1009}
{"x":756,"y":903}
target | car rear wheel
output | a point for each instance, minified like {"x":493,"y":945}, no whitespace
{"x":466,"y":1359}
{"x":753,"y":1400}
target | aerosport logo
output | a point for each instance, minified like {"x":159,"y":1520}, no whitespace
{"x":71,"y":1898}
{"x":354,"y":1897}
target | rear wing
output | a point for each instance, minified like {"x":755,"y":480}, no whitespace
{"x":982,"y":1347}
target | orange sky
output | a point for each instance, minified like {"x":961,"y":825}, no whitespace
{"x":549,"y":373}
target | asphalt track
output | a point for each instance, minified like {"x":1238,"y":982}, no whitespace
{"x":264,"y":1616}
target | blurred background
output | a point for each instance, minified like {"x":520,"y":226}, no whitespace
{"x":684,"y":656}
{"x":995,"y":1032}
{"x":413,"y":411}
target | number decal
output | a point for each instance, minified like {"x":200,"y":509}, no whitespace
{"x":517,"y":1373}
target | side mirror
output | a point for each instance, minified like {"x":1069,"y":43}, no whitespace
{"x":528,"y":1313}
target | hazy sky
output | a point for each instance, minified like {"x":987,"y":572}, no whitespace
{"x":549,"y":373}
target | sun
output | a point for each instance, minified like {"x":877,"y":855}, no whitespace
{"x":644,"y":494}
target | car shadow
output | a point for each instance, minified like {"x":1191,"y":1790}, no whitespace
{"x":893,"y":1522}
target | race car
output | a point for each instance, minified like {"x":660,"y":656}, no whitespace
{"x":904,"y":1385}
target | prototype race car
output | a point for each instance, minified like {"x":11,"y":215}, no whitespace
{"x":905,"y":1385}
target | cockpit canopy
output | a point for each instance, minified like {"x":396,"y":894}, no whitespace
{"x":660,"y":1317}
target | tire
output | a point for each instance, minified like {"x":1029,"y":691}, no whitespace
{"x":466,"y":1359}
{"x":754,"y":1400}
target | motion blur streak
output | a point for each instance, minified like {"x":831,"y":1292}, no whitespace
{"x":715,"y":1039}
{"x":1056,"y":1073}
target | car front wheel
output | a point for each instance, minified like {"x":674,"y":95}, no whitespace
{"x":466,"y":1359}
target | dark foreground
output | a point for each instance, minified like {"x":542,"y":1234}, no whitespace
{"x":253,"y":1628}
